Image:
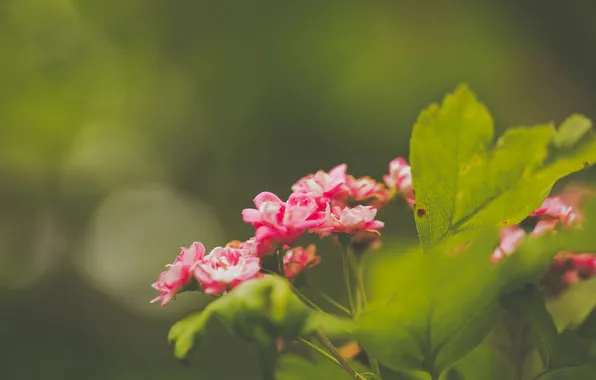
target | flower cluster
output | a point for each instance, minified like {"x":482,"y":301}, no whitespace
{"x":568,"y":268}
{"x":554,"y":212}
{"x":324,"y":204}
{"x":574,"y":267}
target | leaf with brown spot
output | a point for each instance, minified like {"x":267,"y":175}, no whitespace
{"x":465,"y":181}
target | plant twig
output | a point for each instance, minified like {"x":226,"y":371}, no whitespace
{"x":541,"y":373}
{"x":348,"y":283}
{"x":374,"y":365}
{"x":361,"y":291}
{"x":328,"y":298}
{"x":320,"y":351}
{"x":327,"y":343}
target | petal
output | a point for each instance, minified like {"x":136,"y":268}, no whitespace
{"x":544,"y":226}
{"x":339,"y":172}
{"x":375,"y":225}
{"x":265,"y":233}
{"x":252,"y":216}
{"x":266,"y":196}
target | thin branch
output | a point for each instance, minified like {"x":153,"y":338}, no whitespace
{"x":374,"y":365}
{"x":541,"y":373}
{"x":320,"y":351}
{"x":328,"y":298}
{"x":327,"y":343}
{"x":348,"y":283}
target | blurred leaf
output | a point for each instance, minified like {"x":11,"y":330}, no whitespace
{"x":453,"y":374}
{"x":574,"y":305}
{"x":571,"y":131}
{"x":439,"y":304}
{"x":485,"y":363}
{"x":588,"y":327}
{"x":528,"y":328}
{"x":463,"y":184}
{"x":575,"y":373}
{"x":294,"y":367}
{"x":528,"y":305}
{"x":258,"y":311}
{"x":572,"y":351}
{"x":421,"y":321}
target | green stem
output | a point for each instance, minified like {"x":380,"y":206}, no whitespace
{"x":333,"y":302}
{"x":347,"y":280}
{"x":327,"y":343}
{"x":280,"y":264}
{"x":361,"y":291}
{"x":305,"y":299}
{"x":322,"y":352}
{"x":541,"y":373}
{"x":374,"y":365}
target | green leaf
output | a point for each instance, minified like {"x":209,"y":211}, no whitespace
{"x":588,"y":327}
{"x":572,"y":350}
{"x":294,"y":367}
{"x":464,"y":184}
{"x":571,"y":131}
{"x":258,"y":311}
{"x":574,"y":305}
{"x":527,"y":334}
{"x":418,"y":317}
{"x":429,"y":308}
{"x":485,"y":363}
{"x":527,"y":309}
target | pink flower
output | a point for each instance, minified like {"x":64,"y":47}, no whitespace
{"x":297,"y":259}
{"x":349,"y":220}
{"x":283,"y":222}
{"x":225,"y":268}
{"x":324,"y":186}
{"x":366,"y":188}
{"x":178,"y":275}
{"x":252,"y":247}
{"x":544,"y":226}
{"x":554,"y":207}
{"x":585,"y":263}
{"x":511,"y":237}
{"x":399,"y":179}
{"x":400,"y":176}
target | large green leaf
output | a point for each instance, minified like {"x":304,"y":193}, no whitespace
{"x":430,"y":308}
{"x":529,"y":328}
{"x":571,"y":131}
{"x":484,"y":363}
{"x":464,"y":183}
{"x":258,"y":311}
{"x":574,"y":305}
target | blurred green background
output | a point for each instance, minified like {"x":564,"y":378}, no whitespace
{"x":130,"y":128}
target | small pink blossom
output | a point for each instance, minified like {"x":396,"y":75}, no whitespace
{"x":283,"y":222}
{"x":399,"y":179}
{"x":349,"y":220}
{"x":554,"y":207}
{"x":324,"y":186}
{"x":544,"y":226}
{"x":585,"y":263}
{"x":573,"y":267}
{"x":365,"y":188}
{"x":226,"y":267}
{"x":297,"y":259}
{"x":511,"y":237}
{"x":400,"y":176}
{"x":252,"y":247}
{"x":571,"y":277}
{"x":178,"y":275}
